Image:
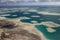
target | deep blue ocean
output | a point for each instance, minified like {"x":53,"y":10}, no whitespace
{"x":19,"y":12}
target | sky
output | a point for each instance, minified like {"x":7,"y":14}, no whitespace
{"x":42,"y":2}
{"x":32,"y":0}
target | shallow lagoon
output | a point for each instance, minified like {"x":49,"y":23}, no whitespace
{"x":39,"y":18}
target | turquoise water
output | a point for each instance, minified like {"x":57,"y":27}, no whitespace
{"x":42,"y":28}
{"x":48,"y":35}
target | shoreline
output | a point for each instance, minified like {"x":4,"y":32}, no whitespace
{"x":27,"y":26}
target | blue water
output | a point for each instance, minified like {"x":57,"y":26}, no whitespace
{"x":44,"y":17}
{"x":48,"y":35}
{"x":42,"y":28}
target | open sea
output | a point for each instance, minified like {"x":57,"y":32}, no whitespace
{"x":39,"y":15}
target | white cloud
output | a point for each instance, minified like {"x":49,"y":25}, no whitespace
{"x":33,"y":0}
{"x":36,"y":0}
{"x":46,"y":2}
{"x":50,"y":0}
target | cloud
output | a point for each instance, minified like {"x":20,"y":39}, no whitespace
{"x":33,"y":0}
{"x":42,"y":2}
{"x":7,"y":0}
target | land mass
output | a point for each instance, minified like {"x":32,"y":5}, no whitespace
{"x":12,"y":29}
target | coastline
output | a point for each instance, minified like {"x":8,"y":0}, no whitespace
{"x":26,"y":26}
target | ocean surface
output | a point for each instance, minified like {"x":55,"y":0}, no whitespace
{"x":37,"y":15}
